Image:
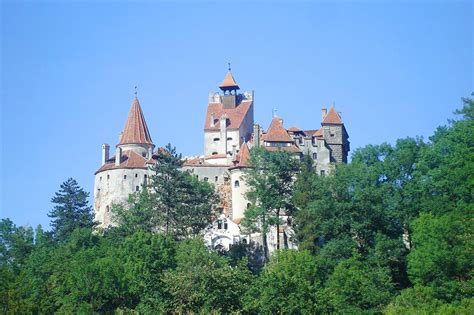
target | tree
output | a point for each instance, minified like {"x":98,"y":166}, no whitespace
{"x":287,"y":285}
{"x":357,"y":287}
{"x":71,"y":210}
{"x":203,"y":282}
{"x":270,"y":179}
{"x":182,"y":204}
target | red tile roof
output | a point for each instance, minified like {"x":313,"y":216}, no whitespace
{"x":136,"y":130}
{"x":129,"y":159}
{"x":332,"y":117}
{"x":293,"y":149}
{"x":235,"y":115}
{"x":229,"y":82}
{"x":276,"y":132}
{"x":294,"y":129}
{"x":244,"y":155}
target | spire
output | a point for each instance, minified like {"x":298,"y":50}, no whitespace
{"x":136,"y":130}
{"x":229,"y":82}
{"x":332,"y":117}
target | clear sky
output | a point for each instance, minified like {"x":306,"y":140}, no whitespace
{"x":68,"y":71}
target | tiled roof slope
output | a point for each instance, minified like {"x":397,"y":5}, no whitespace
{"x":332,"y":117}
{"x":229,"y":82}
{"x":244,"y":155}
{"x":136,"y":130}
{"x":235,"y":115}
{"x":130,"y":159}
{"x":276,"y":132}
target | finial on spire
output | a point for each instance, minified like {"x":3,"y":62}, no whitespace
{"x":229,"y":66}
{"x":135,"y":91}
{"x":274,"y":112}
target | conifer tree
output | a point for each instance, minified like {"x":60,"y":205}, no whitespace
{"x":71,"y":211}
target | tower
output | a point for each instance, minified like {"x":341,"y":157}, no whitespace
{"x":127,"y":170}
{"x":229,"y":118}
{"x":335,"y":135}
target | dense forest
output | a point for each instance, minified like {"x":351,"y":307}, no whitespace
{"x":390,"y":232}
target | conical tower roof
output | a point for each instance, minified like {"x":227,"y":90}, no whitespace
{"x":229,"y":82}
{"x":136,"y":130}
{"x":332,"y":117}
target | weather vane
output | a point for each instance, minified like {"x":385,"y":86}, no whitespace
{"x":229,"y":65}
{"x":135,"y":91}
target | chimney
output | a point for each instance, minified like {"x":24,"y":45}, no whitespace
{"x":234,"y":151}
{"x":105,"y":153}
{"x":256,"y":135}
{"x":118,"y":156}
{"x":223,"y":133}
{"x":150,"y":152}
{"x":324,"y":111}
{"x":212,"y":120}
{"x":120,"y":137}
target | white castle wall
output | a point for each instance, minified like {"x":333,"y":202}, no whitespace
{"x":113,"y":187}
{"x":239,"y":201}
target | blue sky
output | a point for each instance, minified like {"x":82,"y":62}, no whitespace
{"x":68,"y":69}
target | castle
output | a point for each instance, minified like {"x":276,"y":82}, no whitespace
{"x":229,"y":133}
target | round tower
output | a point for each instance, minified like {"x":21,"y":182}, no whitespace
{"x":127,"y":170}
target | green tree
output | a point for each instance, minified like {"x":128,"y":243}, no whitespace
{"x":287,"y":285}
{"x":71,"y":210}
{"x":203,"y":281}
{"x":270,"y":179}
{"x":357,"y":287}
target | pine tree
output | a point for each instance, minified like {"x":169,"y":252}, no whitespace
{"x":71,"y":210}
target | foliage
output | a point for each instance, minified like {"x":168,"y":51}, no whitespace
{"x":71,"y":210}
{"x":174,"y":202}
{"x":270,"y":179}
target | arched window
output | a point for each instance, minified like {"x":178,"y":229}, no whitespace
{"x":315,"y":156}
{"x":216,"y":178}
{"x":236,"y":184}
{"x":137,"y":188}
{"x":248,"y":205}
{"x":244,"y":241}
{"x":136,"y":175}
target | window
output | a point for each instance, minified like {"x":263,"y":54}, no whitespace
{"x":107,"y":209}
{"x":100,"y":178}
{"x":216,"y":139}
{"x":229,"y":139}
{"x":216,"y":178}
{"x":248,"y":205}
{"x":322,"y":172}
{"x":206,"y":179}
{"x":136,"y":175}
{"x":137,"y":188}
{"x":145,"y":177}
{"x":332,"y":135}
{"x":108,"y":176}
{"x":124,"y":176}
{"x":315,"y":156}
{"x":214,"y":153}
{"x":300,"y":140}
{"x":225,"y":225}
{"x":219,"y":225}
{"x":244,"y":241}
{"x":98,"y":190}
{"x":236,"y":184}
